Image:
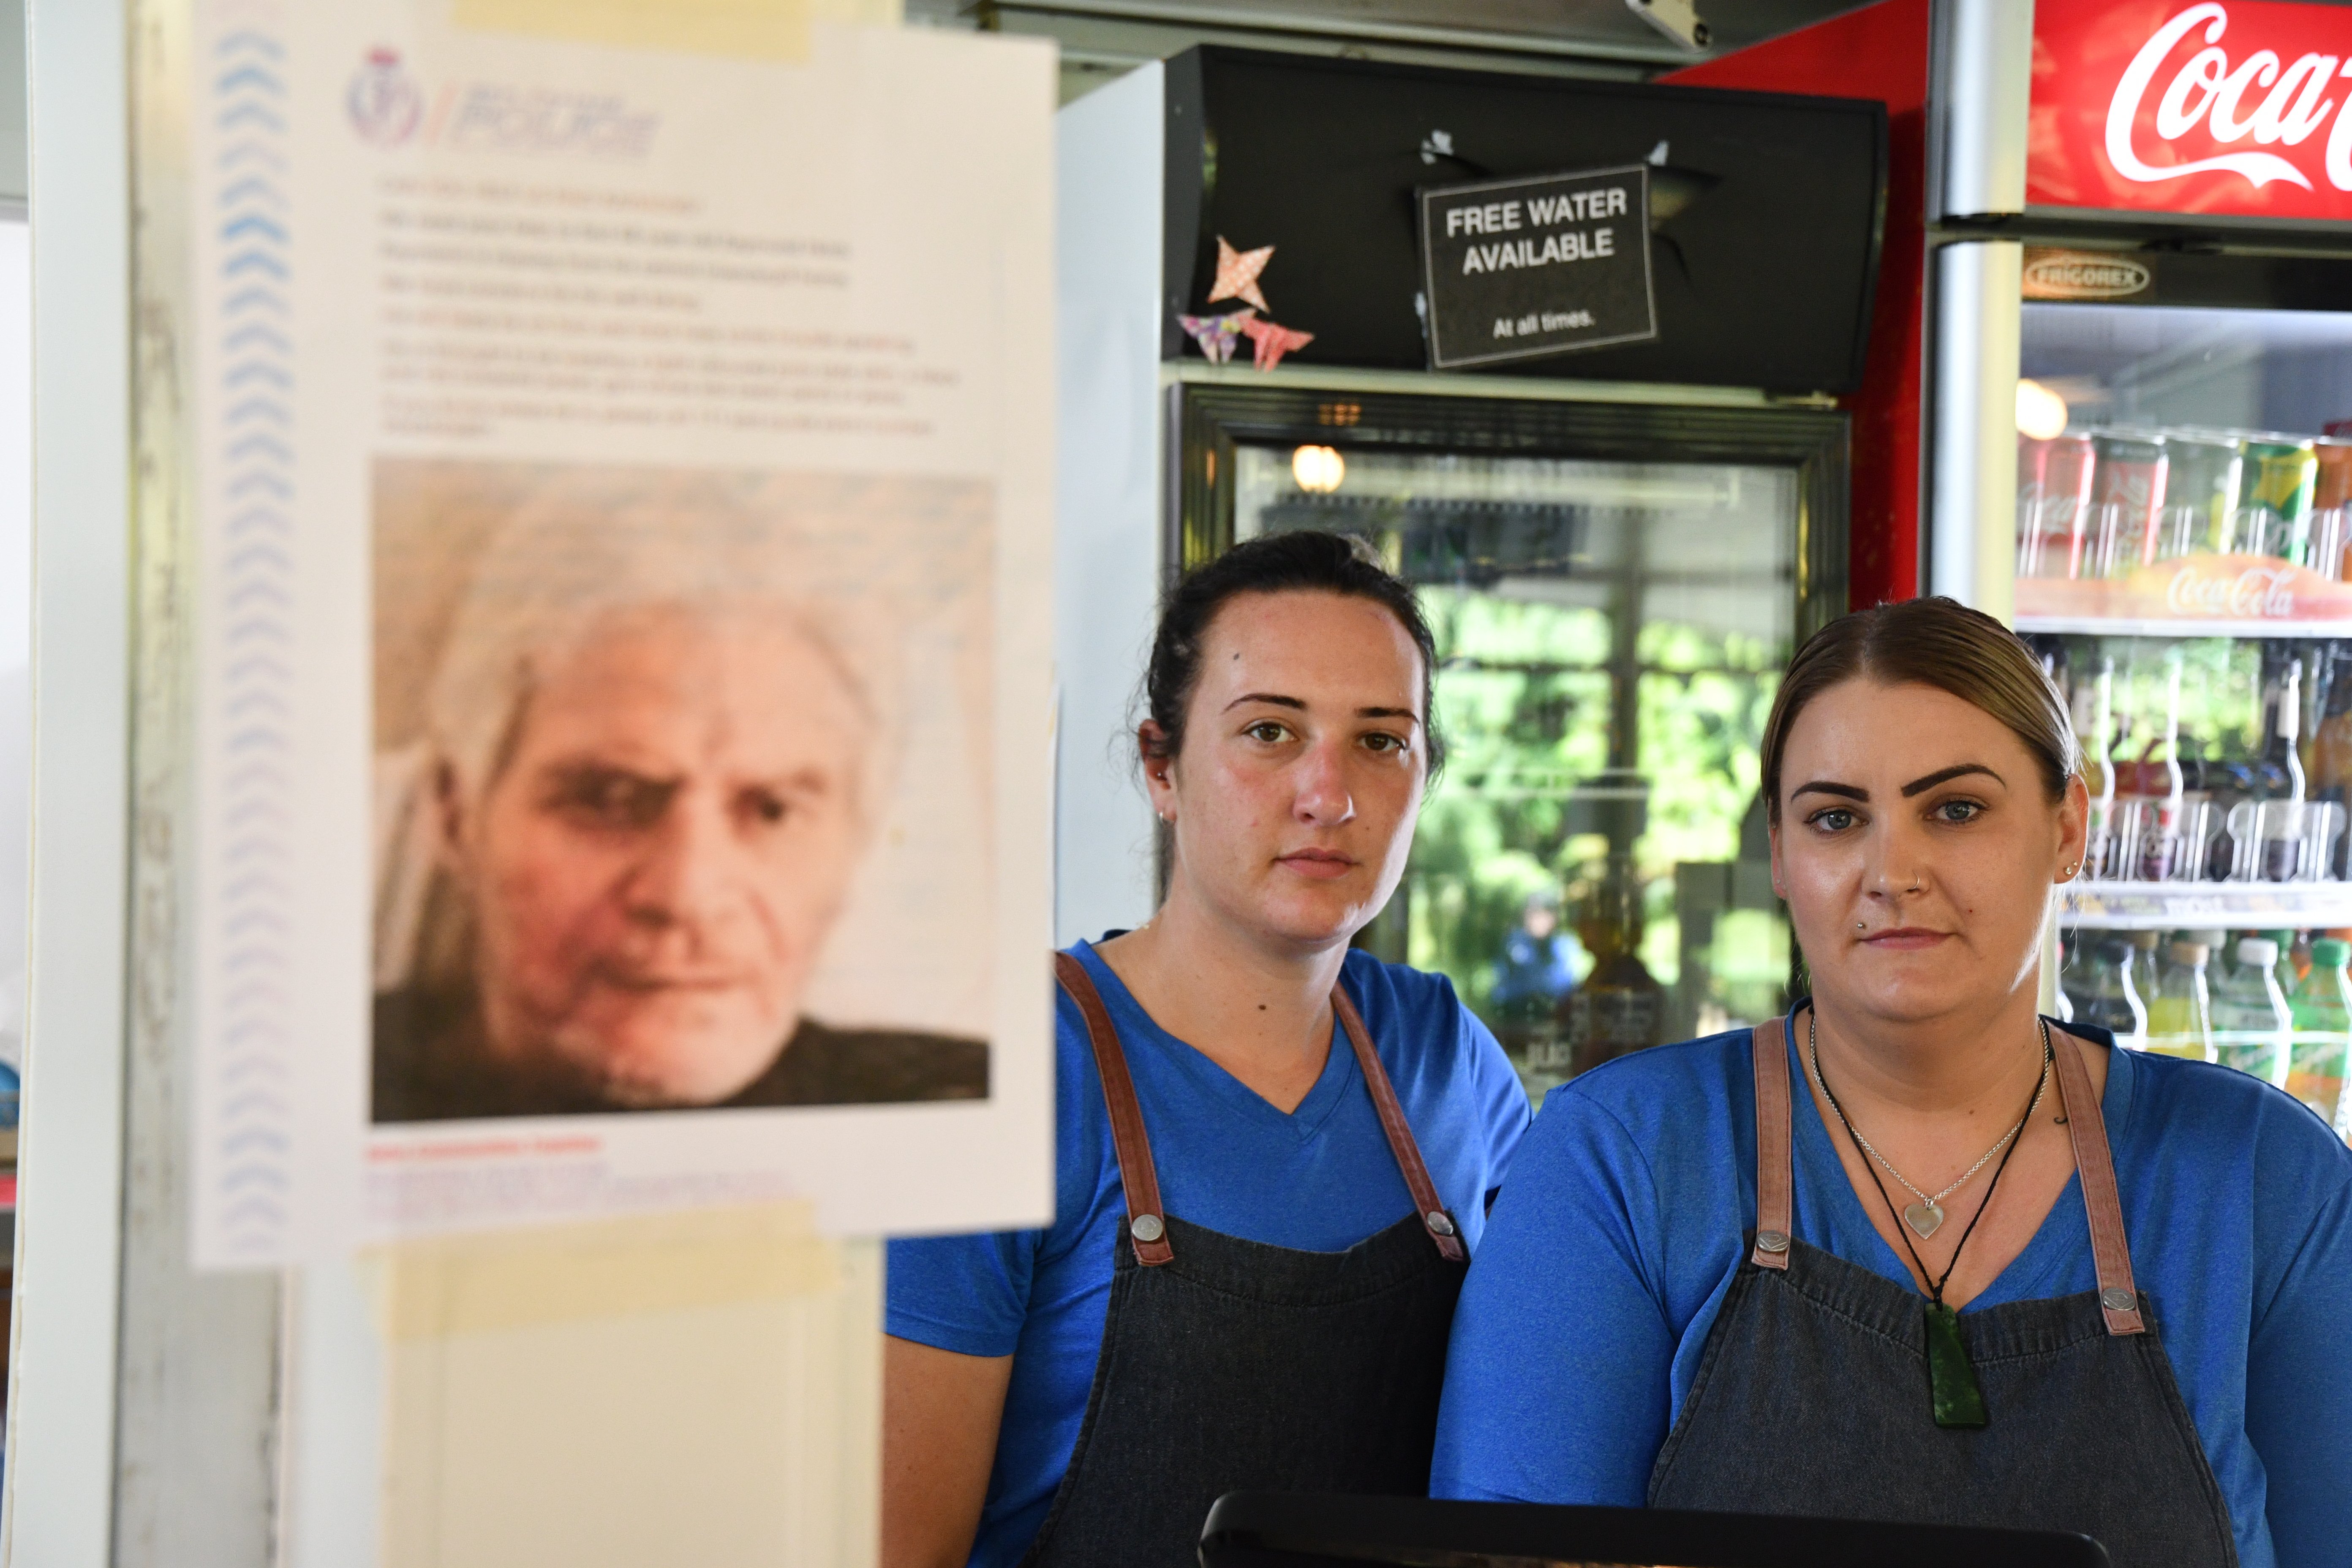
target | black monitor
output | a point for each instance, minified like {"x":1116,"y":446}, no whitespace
{"x":1301,"y":1529}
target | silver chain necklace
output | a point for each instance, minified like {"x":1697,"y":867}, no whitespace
{"x":1926,"y":1215}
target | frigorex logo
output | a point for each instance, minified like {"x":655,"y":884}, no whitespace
{"x":382,"y":100}
{"x":2083,"y":275}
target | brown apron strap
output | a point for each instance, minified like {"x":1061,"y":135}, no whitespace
{"x":1147,"y":1224}
{"x":2095,"y":1164}
{"x":1440,"y":1224}
{"x":1775,"y":1167}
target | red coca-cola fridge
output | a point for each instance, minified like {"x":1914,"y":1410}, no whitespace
{"x":2113,"y":380}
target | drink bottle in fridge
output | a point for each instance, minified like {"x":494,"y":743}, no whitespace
{"x":2321,"y":1010}
{"x":2179,"y":1004}
{"x":2109,"y":1000}
{"x":2252,"y":1028}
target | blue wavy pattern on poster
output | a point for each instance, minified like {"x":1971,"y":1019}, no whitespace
{"x":256,"y":583}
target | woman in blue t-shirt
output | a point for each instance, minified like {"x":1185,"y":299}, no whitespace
{"x":1272,"y":1154}
{"x":1914,"y":1253}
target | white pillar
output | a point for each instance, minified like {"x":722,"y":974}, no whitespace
{"x":61,"y":1397}
{"x":1972,"y":519}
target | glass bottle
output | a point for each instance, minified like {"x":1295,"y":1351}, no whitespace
{"x":2284,"y":782}
{"x":1620,"y":1006}
{"x":2099,"y":776}
{"x":2331,"y":754}
{"x":2069,"y":978}
{"x":2109,"y":1000}
{"x":2159,"y":850}
{"x":2293,"y":958}
{"x":2322,"y":1009}
{"x":2252,"y":1030}
{"x":2180,"y":1003}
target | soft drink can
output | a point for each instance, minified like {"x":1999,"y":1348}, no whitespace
{"x":2128,"y":500}
{"x":2331,"y":509}
{"x":2281,"y":473}
{"x":2032,"y":460}
{"x":2200,"y":492}
{"x":2053,"y":505}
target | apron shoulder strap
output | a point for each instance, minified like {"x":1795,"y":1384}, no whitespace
{"x":1775,"y":1167}
{"x":1147,"y":1225}
{"x":1440,"y":1224}
{"x":2094,"y":1163}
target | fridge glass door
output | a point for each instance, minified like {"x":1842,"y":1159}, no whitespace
{"x":1590,"y":868}
{"x":2184,"y":497}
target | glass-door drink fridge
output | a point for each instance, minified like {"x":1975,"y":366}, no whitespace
{"x":2133,"y":314}
{"x":2179,"y":536}
{"x":1618,"y":548}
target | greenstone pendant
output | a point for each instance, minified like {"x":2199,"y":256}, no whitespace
{"x":1953,"y":1392}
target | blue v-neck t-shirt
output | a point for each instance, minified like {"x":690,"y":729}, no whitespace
{"x":1608,"y":1256}
{"x":1320,"y":1178}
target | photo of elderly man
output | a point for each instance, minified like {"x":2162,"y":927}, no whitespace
{"x":653,"y":751}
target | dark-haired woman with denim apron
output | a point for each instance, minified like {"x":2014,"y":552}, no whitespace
{"x":1272,"y":1154}
{"x":1915,"y":1253}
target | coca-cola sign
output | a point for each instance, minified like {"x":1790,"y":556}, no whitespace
{"x":2240,"y":109}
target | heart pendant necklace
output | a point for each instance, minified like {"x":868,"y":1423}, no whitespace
{"x":1925,"y":1216}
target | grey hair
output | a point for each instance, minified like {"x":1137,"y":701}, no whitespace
{"x":587,"y":550}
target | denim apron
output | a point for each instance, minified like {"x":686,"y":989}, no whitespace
{"x":1229,"y":1364}
{"x":1812,"y":1394}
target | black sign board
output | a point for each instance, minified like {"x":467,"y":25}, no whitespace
{"x":1536,"y":264}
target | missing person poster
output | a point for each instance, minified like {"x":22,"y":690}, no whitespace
{"x":624,"y":708}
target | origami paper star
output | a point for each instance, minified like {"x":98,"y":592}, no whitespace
{"x":1273,"y":341}
{"x":1237,"y":273}
{"x":1217,"y":334}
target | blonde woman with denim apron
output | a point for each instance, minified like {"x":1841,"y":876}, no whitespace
{"x":1913,"y":1252}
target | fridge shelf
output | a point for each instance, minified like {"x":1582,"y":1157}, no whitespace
{"x":2190,"y":906}
{"x":2123,"y":626}
{"x":2192,"y":595}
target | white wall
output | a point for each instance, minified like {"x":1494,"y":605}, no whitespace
{"x":1107,"y":184}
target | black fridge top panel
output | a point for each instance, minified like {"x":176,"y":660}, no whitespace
{"x":2177,"y":278}
{"x":1766,"y":208}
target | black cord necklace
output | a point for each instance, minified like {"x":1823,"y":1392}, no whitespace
{"x":1954,"y":1397}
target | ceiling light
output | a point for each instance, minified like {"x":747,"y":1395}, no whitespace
{"x":1317,"y":469}
{"x":2040,"y":413}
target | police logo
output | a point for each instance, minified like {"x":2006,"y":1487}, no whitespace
{"x":382,"y":101}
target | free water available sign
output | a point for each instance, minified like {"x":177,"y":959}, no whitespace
{"x":1536,"y":264}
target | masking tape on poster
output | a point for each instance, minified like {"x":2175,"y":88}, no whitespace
{"x":624,"y":1267}
{"x":755,"y":30}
